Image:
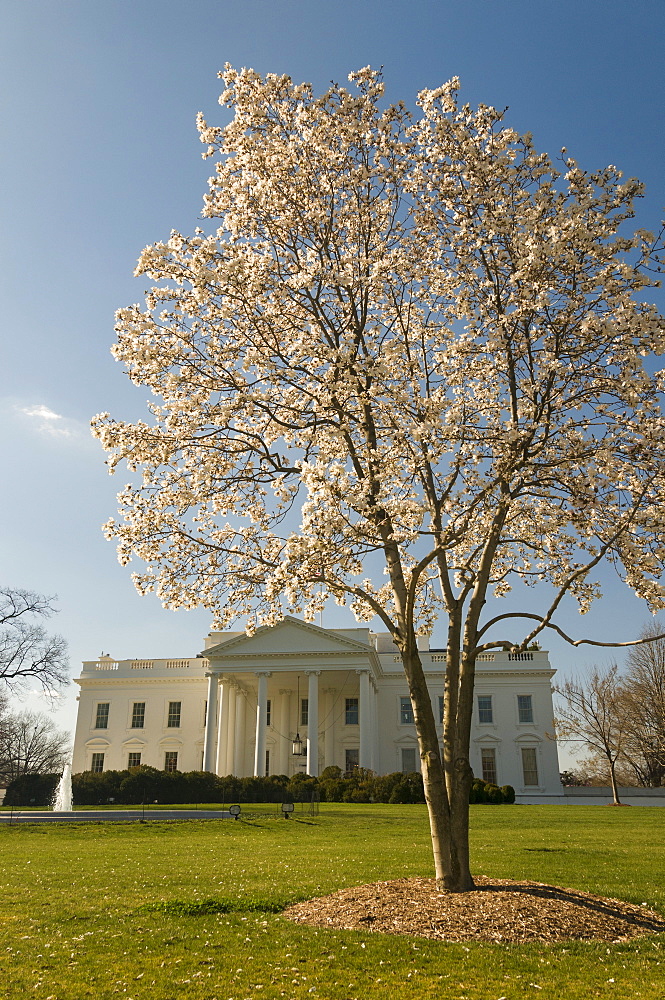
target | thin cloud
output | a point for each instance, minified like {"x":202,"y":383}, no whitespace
{"x":47,"y":421}
{"x":41,"y":411}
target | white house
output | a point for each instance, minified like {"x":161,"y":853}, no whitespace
{"x":238,"y":707}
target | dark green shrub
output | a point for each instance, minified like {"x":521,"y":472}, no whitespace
{"x":147,"y":784}
{"x":251,"y":789}
{"x":228,"y":789}
{"x":332,"y":789}
{"x":508,"y":793}
{"x":356,"y":794}
{"x":141,"y":784}
{"x":486,"y":792}
{"x":301,"y":787}
{"x":202,"y":786}
{"x":401,"y":793}
{"x":90,"y":788}
{"x":415,"y":782}
{"x":478,"y":793}
{"x":32,"y":790}
{"x":331,"y":773}
{"x":383,"y":785}
{"x":494,"y":794}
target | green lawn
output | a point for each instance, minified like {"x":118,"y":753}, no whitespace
{"x":77,"y":919}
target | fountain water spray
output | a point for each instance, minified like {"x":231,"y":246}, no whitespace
{"x":63,"y":795}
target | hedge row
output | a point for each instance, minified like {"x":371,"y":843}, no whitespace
{"x":32,"y":790}
{"x":146,"y":784}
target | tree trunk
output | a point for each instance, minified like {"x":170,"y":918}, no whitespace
{"x":457,"y":771}
{"x":613,"y":781}
{"x":446,"y":790}
{"x":461,"y":775}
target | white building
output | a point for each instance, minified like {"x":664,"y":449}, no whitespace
{"x":238,"y":707}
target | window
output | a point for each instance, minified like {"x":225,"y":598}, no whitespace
{"x":488,"y":764}
{"x":524,"y":708}
{"x":171,"y":759}
{"x":102,"y":718}
{"x":485,"y":713}
{"x":351,"y":759}
{"x":440,"y":708}
{"x":267,"y":763}
{"x":134,"y":760}
{"x":304,"y":711}
{"x":97,"y":764}
{"x":268,"y":715}
{"x":173,"y":720}
{"x":351,"y":712}
{"x":529,"y":765}
{"x":408,"y":760}
{"x":138,"y":715}
{"x":405,"y":712}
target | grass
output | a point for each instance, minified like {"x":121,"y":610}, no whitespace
{"x":160,"y":911}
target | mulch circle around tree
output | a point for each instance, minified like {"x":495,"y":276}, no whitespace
{"x":497,"y":910}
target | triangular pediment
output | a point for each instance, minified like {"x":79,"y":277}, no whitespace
{"x":290,"y":636}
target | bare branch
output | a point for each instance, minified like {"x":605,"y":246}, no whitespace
{"x":27,"y":650}
{"x":519,"y":647}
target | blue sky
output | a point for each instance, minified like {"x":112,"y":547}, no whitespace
{"x":101,"y":157}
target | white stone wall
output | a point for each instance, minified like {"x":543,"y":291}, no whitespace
{"x":122,"y":685}
{"x":288,"y":655}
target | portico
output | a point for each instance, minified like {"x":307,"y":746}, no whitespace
{"x":293,"y":678}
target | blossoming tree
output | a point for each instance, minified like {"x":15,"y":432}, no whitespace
{"x":405,"y":370}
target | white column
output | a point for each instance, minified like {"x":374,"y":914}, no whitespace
{"x":220,"y":766}
{"x":211,"y":719}
{"x":313,"y":722}
{"x":261,"y":717}
{"x":329,"y":734}
{"x":230,"y":728}
{"x":365,"y":755}
{"x":374,"y":706}
{"x":284,"y":730}
{"x":240,"y":749}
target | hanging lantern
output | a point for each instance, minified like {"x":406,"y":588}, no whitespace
{"x":297,"y":749}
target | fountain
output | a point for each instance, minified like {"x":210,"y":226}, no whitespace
{"x":63,"y":795}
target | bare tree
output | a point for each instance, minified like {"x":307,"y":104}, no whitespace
{"x":31,"y":743}
{"x":27,"y":650}
{"x":643,"y":706}
{"x":593,"y":716}
{"x":594,"y":770}
{"x":403,"y":370}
